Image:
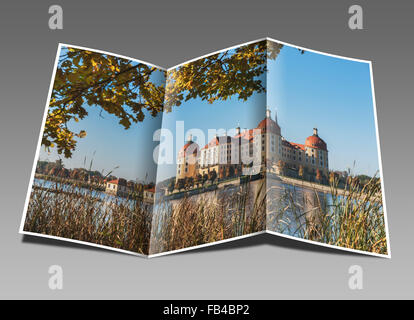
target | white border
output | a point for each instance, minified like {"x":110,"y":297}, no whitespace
{"x":52,"y":80}
{"x":267,"y":38}
{"x":374,"y":103}
{"x":207,"y":244}
{"x":21,"y":231}
{"x":388,"y":255}
{"x":111,"y":54}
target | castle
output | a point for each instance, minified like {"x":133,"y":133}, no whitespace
{"x":264,"y":146}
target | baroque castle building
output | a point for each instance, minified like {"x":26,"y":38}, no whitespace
{"x":260,"y":149}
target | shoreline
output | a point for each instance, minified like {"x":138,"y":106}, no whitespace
{"x":80,"y":183}
{"x":310,"y":185}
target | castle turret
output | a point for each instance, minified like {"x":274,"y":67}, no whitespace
{"x":187,"y":159}
{"x":315,"y":141}
{"x":269,"y":125}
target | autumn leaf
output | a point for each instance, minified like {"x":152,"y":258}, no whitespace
{"x":125,"y":89}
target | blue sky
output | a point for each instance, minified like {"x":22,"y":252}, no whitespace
{"x":307,"y":90}
{"x":114,"y":146}
{"x":226,"y":115}
{"x":314,"y":90}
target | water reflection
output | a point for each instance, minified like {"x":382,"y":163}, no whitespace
{"x":293,"y":210}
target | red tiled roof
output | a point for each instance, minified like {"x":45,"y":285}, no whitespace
{"x":217,"y":140}
{"x":315,"y":142}
{"x":117,"y":181}
{"x":293,"y":145}
{"x":194,"y":149}
{"x":246,"y":134}
{"x":269,"y":125}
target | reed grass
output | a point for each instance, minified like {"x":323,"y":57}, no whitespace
{"x":193,"y":221}
{"x":351,"y":218}
{"x":69,"y":211}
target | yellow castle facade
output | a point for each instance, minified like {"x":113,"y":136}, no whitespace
{"x":261,"y":149}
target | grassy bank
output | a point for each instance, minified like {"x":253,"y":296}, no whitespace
{"x":66,"y":211}
{"x":354,"y":221}
{"x":192,"y":221}
{"x":78,"y":183}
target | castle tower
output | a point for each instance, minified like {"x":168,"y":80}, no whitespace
{"x":316,"y":153}
{"x":187,"y":159}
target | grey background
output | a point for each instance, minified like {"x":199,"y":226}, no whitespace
{"x":167,"y":33}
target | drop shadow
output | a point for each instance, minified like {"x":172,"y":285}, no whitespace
{"x":39,"y":240}
{"x":276,"y":241}
{"x":257,"y":240}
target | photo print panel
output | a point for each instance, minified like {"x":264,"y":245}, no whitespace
{"x":93,"y":180}
{"x":263,"y":137}
{"x":324,"y":179}
{"x":210,"y":179}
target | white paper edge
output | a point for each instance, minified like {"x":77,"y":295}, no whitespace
{"x":267,"y":38}
{"x":52,"y":80}
{"x":206,"y":244}
{"x":21,"y":231}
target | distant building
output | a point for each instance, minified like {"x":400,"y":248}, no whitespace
{"x":276,"y":150}
{"x":216,"y":155}
{"x":312,"y":156}
{"x":187,"y":160}
{"x":149,"y":195}
{"x":117,"y":187}
{"x":266,"y":148}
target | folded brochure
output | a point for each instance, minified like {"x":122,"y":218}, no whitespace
{"x":263,"y":137}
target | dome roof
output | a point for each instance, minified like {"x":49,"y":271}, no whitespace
{"x":190,"y":147}
{"x":269,"y":125}
{"x":315,"y":142}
